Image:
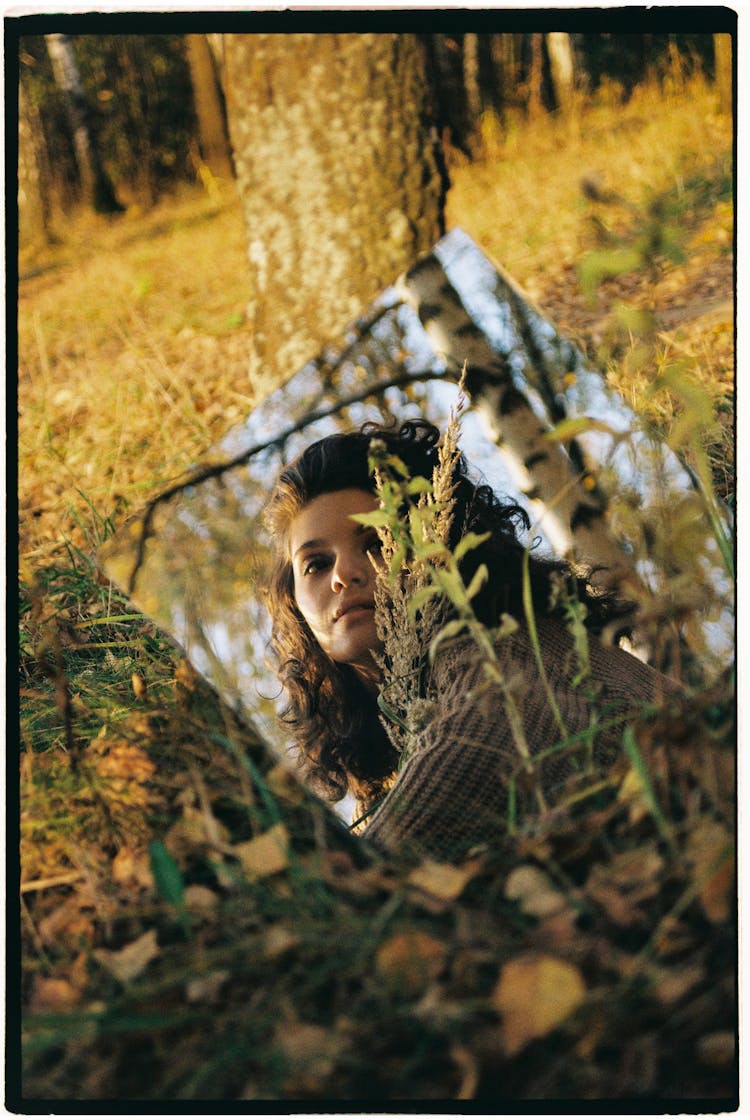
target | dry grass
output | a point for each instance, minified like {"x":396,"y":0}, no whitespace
{"x":525,"y":203}
{"x":132,"y":362}
{"x":132,"y":338}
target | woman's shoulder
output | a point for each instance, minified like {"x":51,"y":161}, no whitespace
{"x":459,"y":660}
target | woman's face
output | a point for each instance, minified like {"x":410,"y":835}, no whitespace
{"x":334,"y":580}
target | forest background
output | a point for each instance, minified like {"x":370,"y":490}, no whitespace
{"x":132,"y":362}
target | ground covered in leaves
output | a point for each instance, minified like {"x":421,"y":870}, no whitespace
{"x":194,"y":924}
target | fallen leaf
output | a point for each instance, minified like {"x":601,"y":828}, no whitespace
{"x":198,"y":897}
{"x":140,"y":690}
{"x":534,"y":891}
{"x":132,"y":865}
{"x":50,"y":994}
{"x":468,"y":1068}
{"x":632,"y":793}
{"x":196,"y":828}
{"x":636,"y":868}
{"x":129,"y":962}
{"x":206,"y":989}
{"x":310,"y":1054}
{"x":408,"y":961}
{"x":617,"y":906}
{"x":120,"y":761}
{"x":67,"y":922}
{"x":626,"y":880}
{"x":442,"y":880}
{"x":266,"y":854}
{"x":716,"y":1049}
{"x":123,"y":770}
{"x":534,"y":995}
{"x":670,"y":985}
{"x":277,"y":940}
{"x":709,"y":850}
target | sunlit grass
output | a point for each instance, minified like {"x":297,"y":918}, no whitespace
{"x":522,"y":200}
{"x":131,"y":363}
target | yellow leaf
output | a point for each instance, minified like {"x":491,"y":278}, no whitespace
{"x":310,"y":1055}
{"x":632,"y":793}
{"x":534,"y":891}
{"x":129,"y":962}
{"x":53,"y":994}
{"x":278,"y":940}
{"x":468,"y":1067}
{"x":534,"y":995}
{"x":709,"y":849}
{"x":408,"y":961}
{"x":206,"y":989}
{"x":132,"y":865}
{"x":442,"y":880}
{"x":140,"y":691}
{"x":199,"y":898}
{"x":266,"y":854}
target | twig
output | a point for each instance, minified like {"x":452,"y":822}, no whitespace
{"x":52,"y":881}
{"x":218,"y":469}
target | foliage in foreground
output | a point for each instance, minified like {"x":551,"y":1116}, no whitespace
{"x":590,"y":955}
{"x":587,"y":954}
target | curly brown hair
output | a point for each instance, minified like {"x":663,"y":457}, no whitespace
{"x":333,"y":717}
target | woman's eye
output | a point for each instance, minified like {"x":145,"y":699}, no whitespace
{"x":313,"y":565}
{"x":374,"y":545}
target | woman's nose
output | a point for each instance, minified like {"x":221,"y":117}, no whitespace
{"x":349,"y":571}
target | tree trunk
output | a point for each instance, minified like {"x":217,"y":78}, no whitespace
{"x":506,"y":67}
{"x":471,"y":78}
{"x":339,"y":175}
{"x":574,"y":517}
{"x":214,"y":142}
{"x":444,"y":55}
{"x":562,"y":67}
{"x":97,"y":189}
{"x":33,"y":181}
{"x":723,"y":71}
{"x":535,"y":104}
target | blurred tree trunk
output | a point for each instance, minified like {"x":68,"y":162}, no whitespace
{"x":447,"y":83}
{"x":723,"y":71}
{"x":97,"y":189}
{"x":33,"y":178}
{"x":471,"y":78}
{"x":506,"y":64}
{"x":213,"y":139}
{"x":535,"y":104}
{"x":562,"y":67}
{"x":340,"y":178}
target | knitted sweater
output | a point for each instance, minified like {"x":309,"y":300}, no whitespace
{"x":453,"y":790}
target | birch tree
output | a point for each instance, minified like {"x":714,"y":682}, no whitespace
{"x":33,"y":185}
{"x":339,"y":176}
{"x":95,"y":183}
{"x":562,"y":67}
{"x":723,"y":65}
{"x":214,"y":142}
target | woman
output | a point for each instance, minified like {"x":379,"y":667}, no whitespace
{"x":465,"y":770}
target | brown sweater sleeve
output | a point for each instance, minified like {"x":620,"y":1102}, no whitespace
{"x":452,"y":792}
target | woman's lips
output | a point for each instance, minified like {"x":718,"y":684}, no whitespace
{"x":354,"y":612}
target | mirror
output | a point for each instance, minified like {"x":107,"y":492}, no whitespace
{"x":194,"y":559}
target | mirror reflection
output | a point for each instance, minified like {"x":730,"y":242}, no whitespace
{"x":195,"y":560}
